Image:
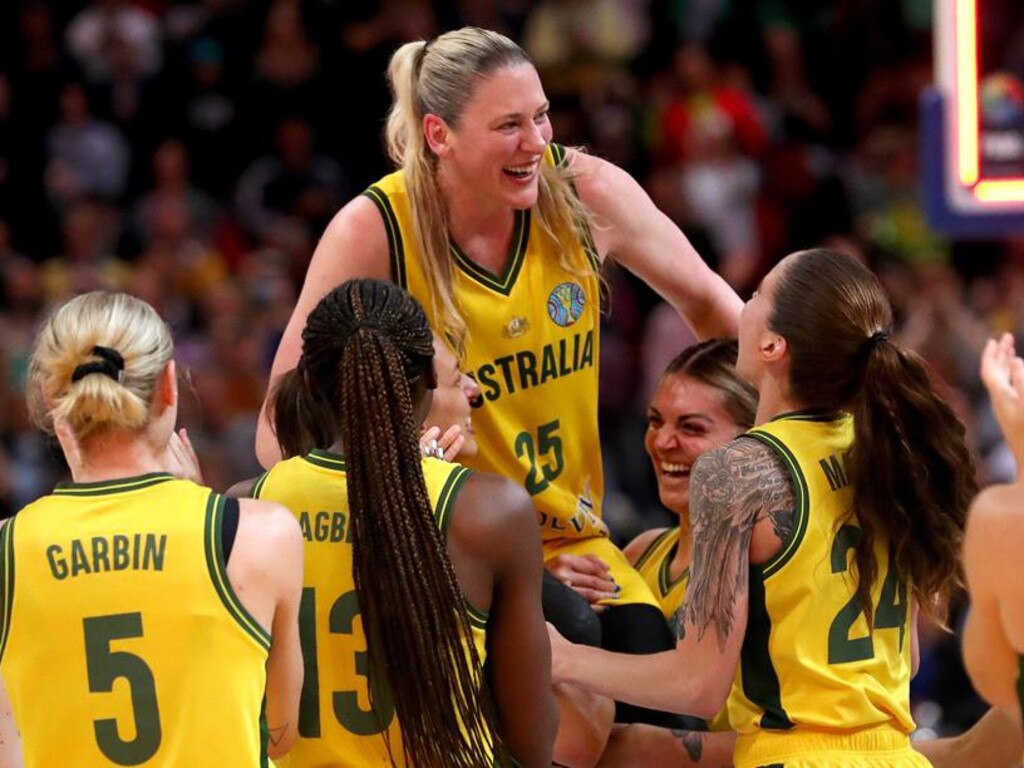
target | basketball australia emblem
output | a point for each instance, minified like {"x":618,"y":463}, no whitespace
{"x":565,"y":303}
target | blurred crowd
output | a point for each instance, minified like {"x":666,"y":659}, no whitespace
{"x":191,"y":151}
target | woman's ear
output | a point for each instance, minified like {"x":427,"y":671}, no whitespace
{"x":437,"y":135}
{"x":167,"y":394}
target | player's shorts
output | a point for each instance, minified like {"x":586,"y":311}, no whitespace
{"x":882,"y":747}
{"x":632,"y":587}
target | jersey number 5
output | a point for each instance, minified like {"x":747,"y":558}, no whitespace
{"x":104,"y":667}
{"x":891,"y":612}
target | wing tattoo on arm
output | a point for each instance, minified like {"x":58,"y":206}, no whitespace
{"x":731,"y":489}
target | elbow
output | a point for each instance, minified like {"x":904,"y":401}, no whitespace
{"x":707,"y":700}
{"x":279,"y":748}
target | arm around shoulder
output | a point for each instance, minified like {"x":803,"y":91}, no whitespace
{"x":519,"y":655}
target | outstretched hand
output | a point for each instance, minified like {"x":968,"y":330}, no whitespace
{"x":1002,"y":372}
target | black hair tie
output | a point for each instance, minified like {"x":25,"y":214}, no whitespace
{"x":878,"y":337}
{"x":110,"y":364}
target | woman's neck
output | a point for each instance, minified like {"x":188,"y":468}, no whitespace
{"x":684,"y":550}
{"x":106,"y":457}
{"x":472,"y":219}
{"x":774,"y":400}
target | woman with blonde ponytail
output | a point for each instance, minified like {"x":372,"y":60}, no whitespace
{"x":501,"y":234}
{"x":138,"y":620}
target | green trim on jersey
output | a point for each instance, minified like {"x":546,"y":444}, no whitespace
{"x":477,"y":618}
{"x":808,"y":414}
{"x":800,"y":502}
{"x":214,"y":546}
{"x":1020,"y":678}
{"x":664,"y":573}
{"x":264,"y":735}
{"x":757,"y":671}
{"x":6,"y":581}
{"x":326,"y":460}
{"x":504,"y":282}
{"x":120,"y":485}
{"x":665,"y":581}
{"x":647,"y":553}
{"x":446,"y":499}
{"x":257,"y":485}
{"x":396,"y":251}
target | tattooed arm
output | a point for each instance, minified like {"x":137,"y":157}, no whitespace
{"x":736,"y":490}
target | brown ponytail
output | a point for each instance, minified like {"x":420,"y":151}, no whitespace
{"x":911,"y":471}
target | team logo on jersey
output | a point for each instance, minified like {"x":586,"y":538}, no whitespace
{"x":515,"y":327}
{"x":566,"y":303}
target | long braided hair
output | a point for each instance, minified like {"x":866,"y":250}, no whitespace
{"x":368,"y":349}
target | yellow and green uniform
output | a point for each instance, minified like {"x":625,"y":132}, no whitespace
{"x":338,"y":723}
{"x":655,"y":566}
{"x":123,"y":642}
{"x":533,"y":346}
{"x":814,"y":688}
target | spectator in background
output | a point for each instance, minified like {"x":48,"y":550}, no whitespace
{"x":577,"y":45}
{"x":696,"y":96}
{"x":172,"y":183}
{"x":295,"y":182}
{"x":87,"y":262}
{"x":95,"y":36}
{"x":286,"y":69}
{"x":209,"y":117}
{"x":86,"y":157}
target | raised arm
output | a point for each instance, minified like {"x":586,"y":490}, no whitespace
{"x":734,"y":490}
{"x":266,"y":571}
{"x":353,"y":245}
{"x":1002,"y":372}
{"x":630,"y":229}
{"x":504,"y":541}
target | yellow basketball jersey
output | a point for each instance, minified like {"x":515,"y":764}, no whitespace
{"x":808,"y":658}
{"x":338,"y":723}
{"x":655,"y":566}
{"x":123,"y":642}
{"x":533,"y":346}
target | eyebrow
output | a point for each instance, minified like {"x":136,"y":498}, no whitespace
{"x":515,"y":115}
{"x":652,"y":411}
